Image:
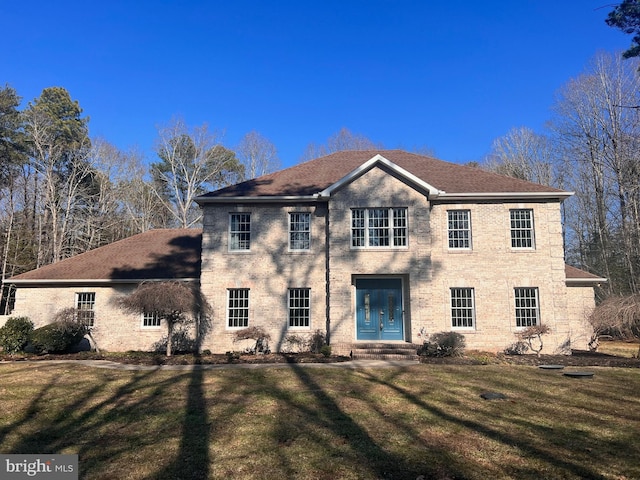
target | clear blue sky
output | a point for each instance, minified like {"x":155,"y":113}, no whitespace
{"x":448,"y":75}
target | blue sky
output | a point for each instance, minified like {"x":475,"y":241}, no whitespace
{"x":447,"y":75}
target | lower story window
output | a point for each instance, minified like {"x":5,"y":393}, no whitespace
{"x":150,"y":319}
{"x":238,"y":308}
{"x":462,"y":308}
{"x":299,"y":307}
{"x":527,"y":307}
{"x":85,"y":307}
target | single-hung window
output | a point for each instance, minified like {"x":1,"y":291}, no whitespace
{"x":522,"y":228}
{"x":85,"y":307}
{"x":379,"y":227}
{"x":527,"y":307}
{"x":459,"y":228}
{"x":299,"y":307}
{"x":240,"y":231}
{"x":462,"y":308}
{"x":238,"y":308}
{"x":299,"y":231}
{"x":150,"y":320}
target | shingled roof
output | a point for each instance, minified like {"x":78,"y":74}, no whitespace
{"x":312,"y":177}
{"x":154,"y":255}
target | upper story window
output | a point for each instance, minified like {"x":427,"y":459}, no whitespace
{"x":379,"y":227}
{"x":240,"y":231}
{"x":299,"y":231}
{"x":238,"y":308}
{"x":463,"y":310}
{"x":459,"y":229}
{"x":522,"y":228}
{"x":527,"y":307}
{"x":150,"y":320}
{"x":85,"y":307}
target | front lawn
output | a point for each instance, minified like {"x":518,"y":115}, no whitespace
{"x":326,"y":422}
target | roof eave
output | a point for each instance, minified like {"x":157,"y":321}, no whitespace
{"x":95,"y":281}
{"x":504,"y":196}
{"x":258,"y":199}
{"x":585,"y":282}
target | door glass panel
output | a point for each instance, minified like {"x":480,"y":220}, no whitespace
{"x":391,"y":308}
{"x":367,"y":307}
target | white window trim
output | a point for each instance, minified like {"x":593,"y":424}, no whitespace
{"x":230,"y":233}
{"x":391,"y":227}
{"x":289,"y":232}
{"x":289,"y":327}
{"x":92,"y":309}
{"x":149,"y":327}
{"x":515,"y":307}
{"x":460,"y":249}
{"x":533,"y":231}
{"x":228,"y":308}
{"x":473,"y":309}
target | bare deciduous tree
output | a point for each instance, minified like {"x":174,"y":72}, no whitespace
{"x":258,"y":155}
{"x":340,"y":141}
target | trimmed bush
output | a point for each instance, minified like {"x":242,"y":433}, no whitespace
{"x":15,"y":334}
{"x":57,"y":337}
{"x":444,"y":344}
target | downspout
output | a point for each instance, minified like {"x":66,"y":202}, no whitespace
{"x":327,"y":282}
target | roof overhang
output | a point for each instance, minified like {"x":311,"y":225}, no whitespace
{"x":258,"y":199}
{"x":92,"y":281}
{"x":559,"y":195}
{"x":585,"y":282}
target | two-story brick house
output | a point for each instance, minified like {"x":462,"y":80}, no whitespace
{"x":367,"y":246}
{"x":389,"y":247}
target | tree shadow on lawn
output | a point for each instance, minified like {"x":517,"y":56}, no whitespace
{"x":512,"y":440}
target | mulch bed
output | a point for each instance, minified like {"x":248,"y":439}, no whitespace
{"x":578,"y":358}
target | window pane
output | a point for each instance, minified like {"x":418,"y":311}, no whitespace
{"x":85,"y":307}
{"x":521,"y":228}
{"x":357,"y":228}
{"x":299,"y":231}
{"x":378,"y":228}
{"x":240,"y":231}
{"x":527,"y":312}
{"x":238,"y":311}
{"x":299,"y":307}
{"x":462,"y":308}
{"x":459,"y":229}
{"x":150,"y":320}
{"x":399,"y":227}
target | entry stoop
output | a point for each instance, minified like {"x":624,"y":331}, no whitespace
{"x":384,"y":351}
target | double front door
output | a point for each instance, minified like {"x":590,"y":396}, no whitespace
{"x":379,"y":309}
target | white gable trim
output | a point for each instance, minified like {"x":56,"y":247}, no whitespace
{"x":368,"y":165}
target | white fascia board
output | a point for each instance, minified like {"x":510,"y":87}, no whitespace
{"x":368,"y":165}
{"x":60,"y":282}
{"x":590,"y":281}
{"x":261,"y":199}
{"x":504,"y":196}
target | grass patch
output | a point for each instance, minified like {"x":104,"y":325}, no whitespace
{"x":325,"y":423}
{"x":619,"y":348}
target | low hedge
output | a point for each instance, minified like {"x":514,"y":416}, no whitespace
{"x":57,"y":337}
{"x":15,"y":334}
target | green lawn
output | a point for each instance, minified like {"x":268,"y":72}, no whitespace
{"x":326,"y":423}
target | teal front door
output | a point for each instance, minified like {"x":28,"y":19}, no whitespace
{"x":379,"y":309}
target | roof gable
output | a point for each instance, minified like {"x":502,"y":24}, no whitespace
{"x":154,"y":255}
{"x":442,"y":179}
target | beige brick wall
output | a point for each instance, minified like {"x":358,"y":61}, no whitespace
{"x":114,"y":330}
{"x":269,"y":269}
{"x":494,"y":269}
{"x":580,"y":304}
